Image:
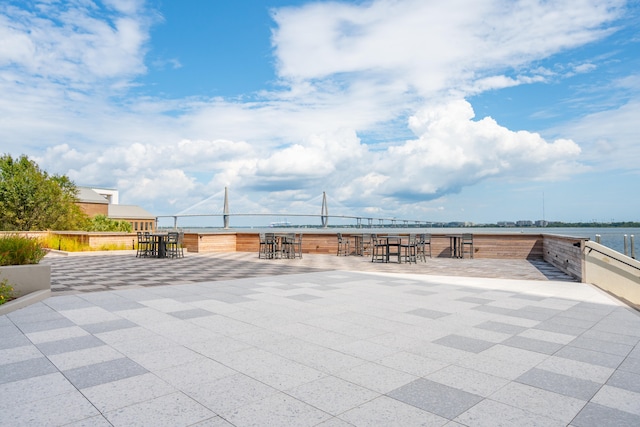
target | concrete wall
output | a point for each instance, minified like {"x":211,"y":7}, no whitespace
{"x":612,"y":272}
{"x":31,"y":283}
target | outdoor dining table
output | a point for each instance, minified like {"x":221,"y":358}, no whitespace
{"x":393,"y":247}
{"x":455,"y":246}
{"x":358,"y":248}
{"x":160,"y":244}
{"x":282,"y":245}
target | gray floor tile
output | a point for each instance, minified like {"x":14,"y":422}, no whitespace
{"x":618,"y":398}
{"x":278,"y":410}
{"x":95,"y":421}
{"x":631,"y":364}
{"x":493,"y":309}
{"x":475,"y":300}
{"x":293,"y":345}
{"x":439,"y":399}
{"x":199,"y":371}
{"x":378,"y":378}
{"x":332,"y":395}
{"x":223,"y":396}
{"x":589,"y":356}
{"x":128,"y":391}
{"x":504,"y":328}
{"x":602,"y":346}
{"x":19,"y":354}
{"x":611,"y":337}
{"x":528,"y":297}
{"x":539,"y":346}
{"x":469,"y":380}
{"x":303,"y":297}
{"x":385,"y":411}
{"x":51,"y":348}
{"x":32,"y":389}
{"x":539,"y":401}
{"x":560,"y":327}
{"x":626,"y":380}
{"x":100,"y":373}
{"x":191,"y":314}
{"x":12,"y":337}
{"x":421,"y":292}
{"x":111,"y":325}
{"x":559,"y":383}
{"x":594,"y":415}
{"x":46,"y":325}
{"x":55,"y":410}
{"x":175,"y":409}
{"x":44,"y":315}
{"x":88,"y":356}
{"x":464,"y":343}
{"x":429,"y":314}
{"x":489,"y":413}
{"x":577,"y":369}
{"x":535,"y":313}
{"x":26,"y":369}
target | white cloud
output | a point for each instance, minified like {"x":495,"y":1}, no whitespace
{"x":348,"y":70}
{"x":609,"y":138}
{"x":432,"y":46}
{"x":453,"y":150}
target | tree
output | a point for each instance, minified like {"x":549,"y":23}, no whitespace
{"x":103,"y":223}
{"x":31,"y":199}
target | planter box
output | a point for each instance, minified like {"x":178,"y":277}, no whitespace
{"x":32,"y":283}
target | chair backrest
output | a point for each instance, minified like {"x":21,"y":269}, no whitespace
{"x":339,"y":237}
{"x":172,"y":237}
{"x":425,"y":238}
{"x":467,"y":237}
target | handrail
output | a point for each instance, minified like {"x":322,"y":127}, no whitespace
{"x":358,"y":219}
{"x":617,"y":259}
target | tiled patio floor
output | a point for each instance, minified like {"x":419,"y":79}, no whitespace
{"x":104,"y":271}
{"x":317,"y":346}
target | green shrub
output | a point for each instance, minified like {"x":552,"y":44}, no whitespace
{"x":20,"y":250}
{"x":104,"y":223}
{"x":6,"y":292}
{"x":63,"y":243}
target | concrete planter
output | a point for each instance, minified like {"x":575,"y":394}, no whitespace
{"x":32,"y":283}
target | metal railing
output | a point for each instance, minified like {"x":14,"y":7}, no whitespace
{"x":319,"y":221}
{"x":630,"y":253}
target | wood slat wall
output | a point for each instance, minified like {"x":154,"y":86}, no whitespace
{"x":565,"y":253}
{"x":494,"y":246}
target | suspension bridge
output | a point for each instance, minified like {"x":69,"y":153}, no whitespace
{"x":321,"y":219}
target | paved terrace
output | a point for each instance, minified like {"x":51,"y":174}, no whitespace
{"x":230,"y":340}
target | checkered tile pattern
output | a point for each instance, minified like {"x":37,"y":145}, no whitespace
{"x":116,"y":271}
{"x":321,"y":348}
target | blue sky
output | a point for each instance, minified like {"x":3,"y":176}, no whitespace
{"x":479,"y":111}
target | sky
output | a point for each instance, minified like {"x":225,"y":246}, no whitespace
{"x":465,"y":110}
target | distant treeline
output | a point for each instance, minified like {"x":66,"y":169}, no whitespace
{"x":624,"y":224}
{"x":559,"y":224}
